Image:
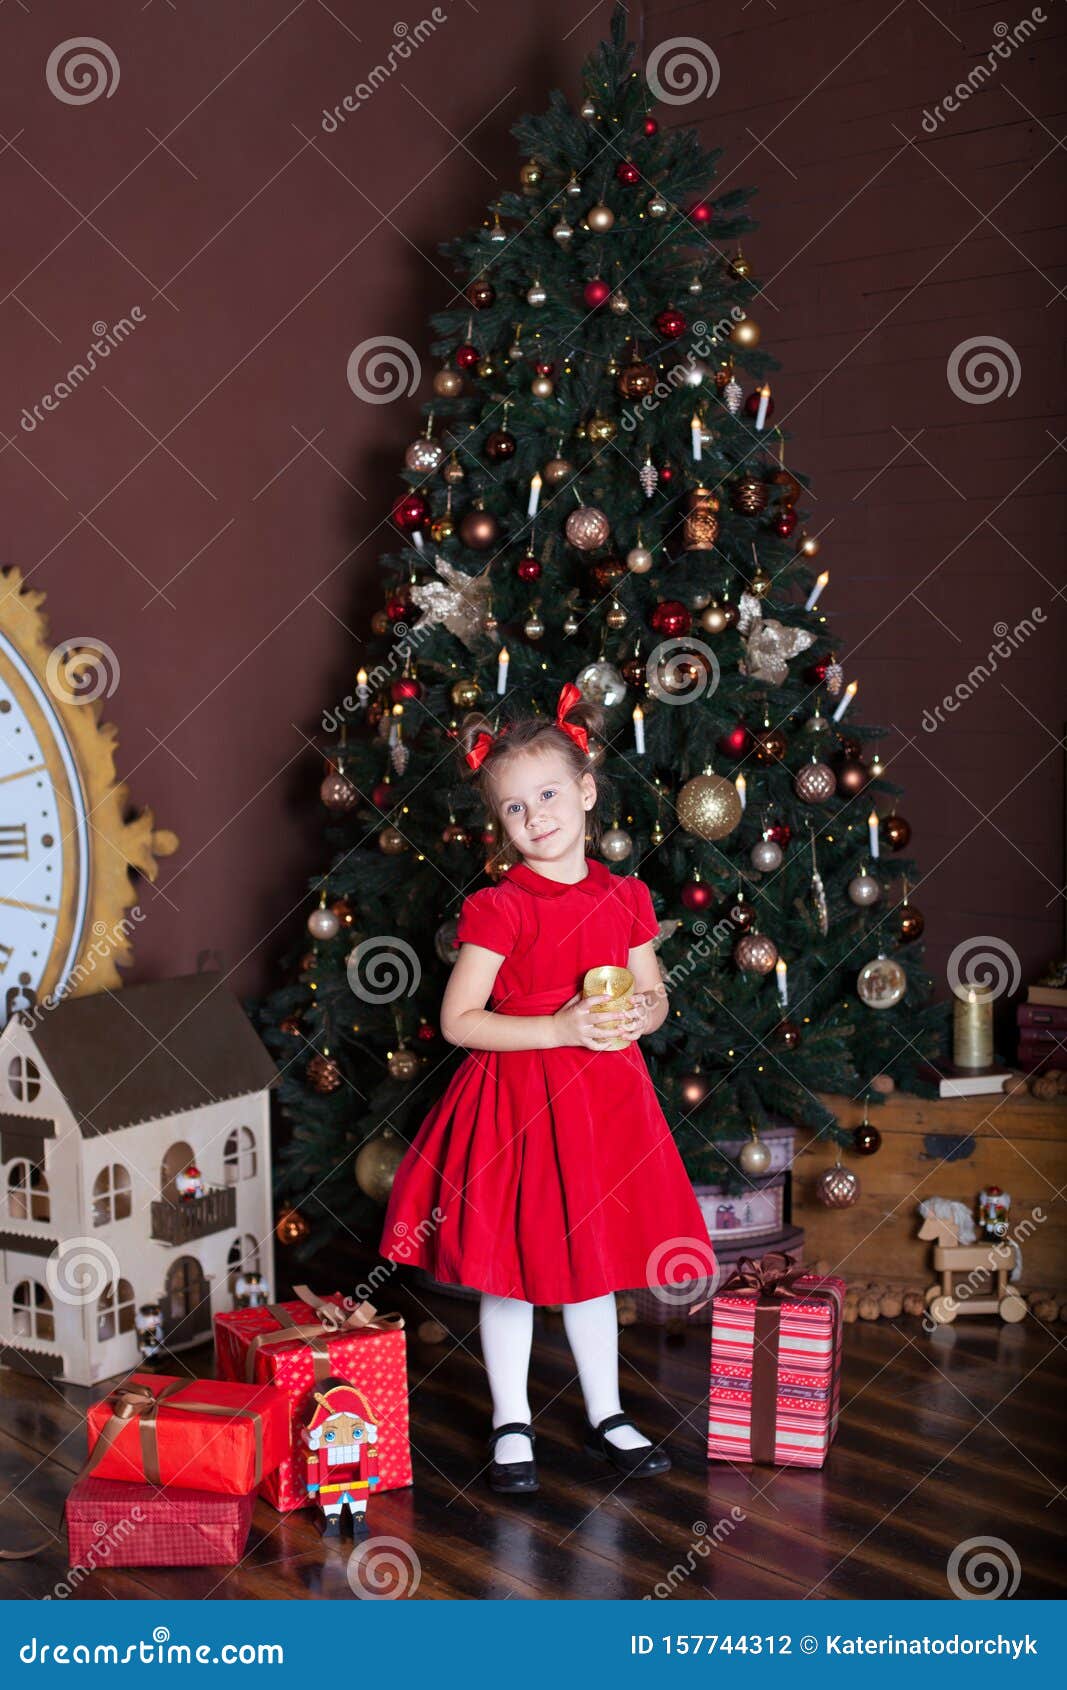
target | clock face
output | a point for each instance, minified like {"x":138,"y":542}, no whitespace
{"x":44,"y":835}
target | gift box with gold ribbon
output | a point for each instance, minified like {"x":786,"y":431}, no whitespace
{"x":190,"y":1434}
{"x":775,"y":1364}
{"x":297,"y":1345}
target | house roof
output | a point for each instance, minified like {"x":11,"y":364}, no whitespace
{"x":148,"y":1051}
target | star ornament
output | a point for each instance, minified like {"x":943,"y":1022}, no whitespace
{"x":768,"y":648}
{"x":458,"y":602}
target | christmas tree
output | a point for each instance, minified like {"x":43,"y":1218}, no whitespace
{"x":599,"y":495}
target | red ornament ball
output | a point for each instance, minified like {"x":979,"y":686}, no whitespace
{"x":695,"y":895}
{"x":481,"y":293}
{"x":627,"y":173}
{"x":815,"y":673}
{"x":781,"y":833}
{"x":382,"y":795}
{"x":466,"y":356}
{"x":650,"y":126}
{"x":596,"y":292}
{"x":411,"y":511}
{"x":544,"y":367}
{"x":670,"y":323}
{"x":701,"y":214}
{"x":666,"y":473}
{"x":425,"y":1032}
{"x":396,"y":608}
{"x":785,"y":522}
{"x":671,"y":617}
{"x":736,"y":742}
{"x":528,"y":569}
{"x":404,"y":688}
{"x":753,"y":403}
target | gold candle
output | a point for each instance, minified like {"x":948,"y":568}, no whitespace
{"x":619,"y":982}
{"x":972,"y":1030}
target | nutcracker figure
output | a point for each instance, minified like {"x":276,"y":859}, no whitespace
{"x":993,"y":1206}
{"x":250,"y":1291}
{"x":189,"y":1184}
{"x":341,"y":1438}
{"x":148,"y":1324}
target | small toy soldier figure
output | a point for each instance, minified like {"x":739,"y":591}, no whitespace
{"x":190,"y":1183}
{"x":148,"y":1323}
{"x":993,"y":1206}
{"x":250,"y":1291}
{"x":342,"y":1444}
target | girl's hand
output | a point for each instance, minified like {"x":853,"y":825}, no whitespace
{"x":575,"y":1024}
{"x":634,"y":1021}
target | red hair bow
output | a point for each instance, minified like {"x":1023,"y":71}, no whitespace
{"x":568,"y":698}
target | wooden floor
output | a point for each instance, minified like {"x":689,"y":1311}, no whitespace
{"x":942,"y":1440}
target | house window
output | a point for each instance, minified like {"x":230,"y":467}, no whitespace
{"x":31,"y":1311}
{"x":239,"y":1155}
{"x":178,"y":1158}
{"x":27,"y":1193}
{"x":112,"y":1200}
{"x":115,"y":1310}
{"x":24,"y":1078}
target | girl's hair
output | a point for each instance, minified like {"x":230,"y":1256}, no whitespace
{"x":536,"y":733}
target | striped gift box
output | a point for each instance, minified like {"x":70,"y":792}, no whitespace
{"x":795,"y":1366}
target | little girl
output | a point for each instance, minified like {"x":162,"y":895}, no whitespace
{"x":546,"y":1173}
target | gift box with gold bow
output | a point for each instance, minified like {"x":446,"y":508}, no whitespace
{"x":775,"y":1364}
{"x":192,"y":1434}
{"x":297,"y":1345}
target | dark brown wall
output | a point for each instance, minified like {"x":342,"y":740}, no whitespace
{"x":208,"y":502}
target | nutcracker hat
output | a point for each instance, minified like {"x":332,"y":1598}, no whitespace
{"x":339,"y":1396}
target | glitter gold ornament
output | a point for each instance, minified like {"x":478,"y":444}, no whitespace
{"x":709,"y":807}
{"x":376,"y":1165}
{"x":465,"y":694}
{"x":601,"y":428}
{"x":458,"y":601}
{"x":768,"y":649}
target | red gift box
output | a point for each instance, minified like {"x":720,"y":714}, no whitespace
{"x":112,"y":1524}
{"x":297,"y":1345}
{"x":197,"y":1434}
{"x":775,"y":1364}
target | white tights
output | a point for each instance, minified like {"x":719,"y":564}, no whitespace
{"x":506,"y":1325}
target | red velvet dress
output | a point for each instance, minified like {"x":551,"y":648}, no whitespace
{"x":549,"y":1175}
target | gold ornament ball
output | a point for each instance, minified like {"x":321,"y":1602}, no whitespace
{"x":465,"y":694}
{"x":587,"y":528}
{"x":619,"y":304}
{"x":694,"y":1088}
{"x":533,"y":628}
{"x":479,"y":530}
{"x":837,"y":1187}
{"x":864,"y":890}
{"x":615,"y":616}
{"x":323,"y":924}
{"x":380,"y":623}
{"x":657,"y":206}
{"x":453,"y":472}
{"x":755,"y":1157}
{"x":714,"y":620}
{"x":600,"y":218}
{"x":403,"y":1063}
{"x":639,"y":560}
{"x":745,"y":333}
{"x":531,"y":175}
{"x":602,"y":428}
{"x":291,"y":1227}
{"x":587,"y":110}
{"x":391,"y":842}
{"x":739,"y":265}
{"x":562,"y":232}
{"x":709,"y":806}
{"x":755,"y":953}
{"x":377,"y":1163}
{"x":557,"y":470}
{"x":616,"y":845}
{"x":542,"y":387}
{"x":536,"y":294}
{"x":448,"y":384}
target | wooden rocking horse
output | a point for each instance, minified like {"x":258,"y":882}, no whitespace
{"x":973,"y":1277}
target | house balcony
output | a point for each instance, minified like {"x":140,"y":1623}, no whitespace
{"x":181,"y":1223}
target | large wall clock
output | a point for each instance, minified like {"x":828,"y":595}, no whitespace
{"x":69,"y":847}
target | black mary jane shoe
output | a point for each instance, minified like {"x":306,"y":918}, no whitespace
{"x":511,"y":1477}
{"x":640,"y":1463}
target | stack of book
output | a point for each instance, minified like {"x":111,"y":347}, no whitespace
{"x":1042,"y":1023}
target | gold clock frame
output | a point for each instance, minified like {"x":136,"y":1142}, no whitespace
{"x":120,"y":844}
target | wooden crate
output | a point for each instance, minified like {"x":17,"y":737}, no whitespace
{"x":939,"y":1147}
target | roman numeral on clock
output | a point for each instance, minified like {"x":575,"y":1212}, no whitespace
{"x":14,"y":846}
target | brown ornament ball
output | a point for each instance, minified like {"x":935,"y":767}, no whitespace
{"x":745,"y":333}
{"x":910,"y":923}
{"x":636,"y":379}
{"x":557,"y":470}
{"x":431,"y":1332}
{"x":291,"y":1227}
{"x":500,"y":445}
{"x":290,"y":1026}
{"x":815,"y":783}
{"x":866,"y":1140}
{"x":391,"y":841}
{"x":403,"y":1063}
{"x":896,"y":832}
{"x":448,"y":383}
{"x":479,"y":530}
{"x":323,"y":1073}
{"x":787,"y":1034}
{"x":852,"y":776}
{"x":837,"y":1187}
{"x":770,"y":745}
{"x":481,"y":293}
{"x":337,"y":793}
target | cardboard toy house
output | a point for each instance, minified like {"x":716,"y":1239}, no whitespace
{"x":134,"y":1171}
